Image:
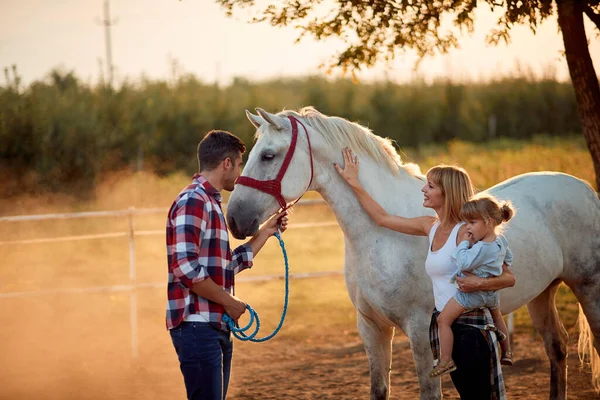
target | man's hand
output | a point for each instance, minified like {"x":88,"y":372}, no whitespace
{"x":277,"y":221}
{"x":208,"y":289}
{"x":234,"y":307}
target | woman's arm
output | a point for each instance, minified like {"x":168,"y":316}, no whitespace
{"x":472,"y":283}
{"x":412,"y":226}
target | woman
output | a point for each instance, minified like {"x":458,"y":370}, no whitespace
{"x":446,"y":190}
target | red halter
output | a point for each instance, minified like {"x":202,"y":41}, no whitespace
{"x":273,"y":186}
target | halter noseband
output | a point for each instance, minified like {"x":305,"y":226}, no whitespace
{"x":273,"y":186}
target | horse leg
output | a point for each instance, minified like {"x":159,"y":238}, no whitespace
{"x":544,"y":316}
{"x":589,"y":326}
{"x":377,"y":339}
{"x":417,"y":331}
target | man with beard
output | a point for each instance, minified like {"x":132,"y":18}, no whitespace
{"x":202,"y":267}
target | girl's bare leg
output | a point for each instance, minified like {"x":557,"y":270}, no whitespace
{"x":499,"y":322}
{"x":445,"y":320}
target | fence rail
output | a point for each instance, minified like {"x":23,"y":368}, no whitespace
{"x":138,"y":233}
{"x":115,"y":213}
{"x":156,"y":285}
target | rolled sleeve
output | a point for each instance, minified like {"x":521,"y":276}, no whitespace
{"x":188,"y":270}
{"x":190,"y":224}
{"x":241,"y":258}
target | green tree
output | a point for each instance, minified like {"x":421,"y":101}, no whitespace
{"x":375,"y":31}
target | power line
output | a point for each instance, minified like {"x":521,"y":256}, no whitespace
{"x":107,"y":23}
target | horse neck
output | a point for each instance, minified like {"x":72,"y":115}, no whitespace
{"x":397,"y":194}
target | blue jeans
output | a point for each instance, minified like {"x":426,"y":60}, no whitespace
{"x":204,"y":354}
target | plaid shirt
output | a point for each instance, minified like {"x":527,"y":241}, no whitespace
{"x":479,"y":318}
{"x":197,"y":249}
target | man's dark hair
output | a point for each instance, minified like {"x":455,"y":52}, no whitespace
{"x":217,"y":146}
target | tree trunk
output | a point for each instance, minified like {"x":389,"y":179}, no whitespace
{"x":583,"y":75}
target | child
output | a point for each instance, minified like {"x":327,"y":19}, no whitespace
{"x":482,"y":251}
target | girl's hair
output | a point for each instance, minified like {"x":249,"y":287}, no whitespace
{"x":456,"y":187}
{"x":487,"y":208}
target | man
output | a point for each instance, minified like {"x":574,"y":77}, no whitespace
{"x":202,"y":268}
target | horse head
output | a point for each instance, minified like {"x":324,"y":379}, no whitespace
{"x":279,"y":170}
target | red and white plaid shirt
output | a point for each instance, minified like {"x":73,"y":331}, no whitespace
{"x":198,"y":248}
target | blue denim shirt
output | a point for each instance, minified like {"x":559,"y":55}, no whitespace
{"x":483,"y":259}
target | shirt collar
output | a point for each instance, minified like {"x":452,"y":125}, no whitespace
{"x":208,"y":188}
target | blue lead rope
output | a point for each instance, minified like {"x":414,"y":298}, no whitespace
{"x":241,"y":333}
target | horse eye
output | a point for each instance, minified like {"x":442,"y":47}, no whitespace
{"x":267,"y":157}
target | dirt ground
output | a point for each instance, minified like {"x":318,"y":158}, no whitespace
{"x":79,"y":347}
{"x":336,"y":367}
{"x":326,"y":366}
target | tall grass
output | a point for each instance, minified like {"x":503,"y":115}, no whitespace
{"x":62,"y":134}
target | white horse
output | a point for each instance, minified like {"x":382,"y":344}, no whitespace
{"x":555,"y":237}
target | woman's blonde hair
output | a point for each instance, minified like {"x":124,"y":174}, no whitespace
{"x":487,"y":208}
{"x":456,"y":187}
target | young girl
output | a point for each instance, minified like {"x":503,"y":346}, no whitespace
{"x":482,"y":251}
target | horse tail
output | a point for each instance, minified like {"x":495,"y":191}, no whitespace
{"x":586,"y":350}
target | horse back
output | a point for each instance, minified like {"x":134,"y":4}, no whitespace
{"x":556,"y":227}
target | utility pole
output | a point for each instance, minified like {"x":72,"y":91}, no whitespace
{"x":107,"y":22}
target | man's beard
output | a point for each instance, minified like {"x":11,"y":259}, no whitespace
{"x":229,"y":185}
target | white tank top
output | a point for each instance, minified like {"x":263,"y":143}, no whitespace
{"x":440,"y":268}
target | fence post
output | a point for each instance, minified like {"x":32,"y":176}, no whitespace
{"x":132,"y":272}
{"x":511,"y":326}
{"x":133,"y":293}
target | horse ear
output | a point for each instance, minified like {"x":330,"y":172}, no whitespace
{"x":275,"y":120}
{"x":255,"y":119}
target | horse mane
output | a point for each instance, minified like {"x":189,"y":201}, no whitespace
{"x":339,"y":132}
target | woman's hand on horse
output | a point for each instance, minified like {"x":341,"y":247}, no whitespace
{"x":350,"y":170}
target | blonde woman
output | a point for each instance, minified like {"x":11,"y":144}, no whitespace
{"x":446,"y":190}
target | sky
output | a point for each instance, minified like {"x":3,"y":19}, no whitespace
{"x":150,"y":36}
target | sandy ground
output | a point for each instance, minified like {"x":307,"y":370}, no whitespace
{"x":336,"y":367}
{"x":78,"y":347}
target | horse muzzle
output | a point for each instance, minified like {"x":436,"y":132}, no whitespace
{"x":241,"y":221}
